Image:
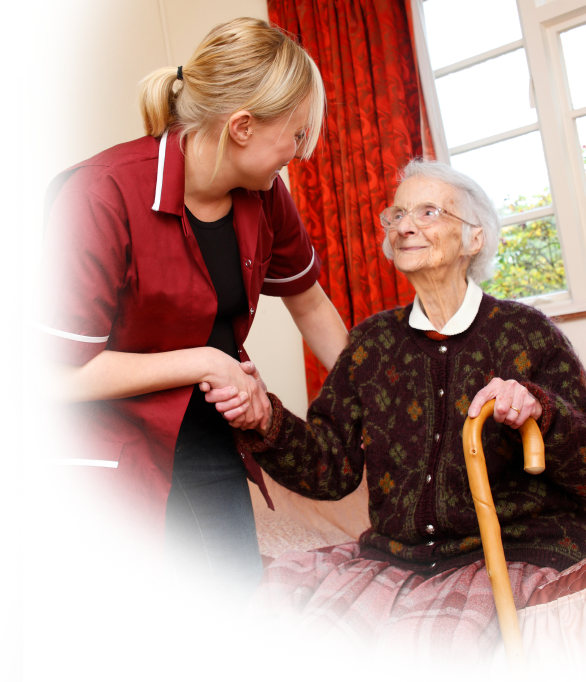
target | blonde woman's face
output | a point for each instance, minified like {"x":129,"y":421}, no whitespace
{"x":271,"y":147}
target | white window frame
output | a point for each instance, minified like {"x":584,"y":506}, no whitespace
{"x":541,"y":25}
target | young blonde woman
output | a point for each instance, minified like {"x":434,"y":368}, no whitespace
{"x":155,"y":255}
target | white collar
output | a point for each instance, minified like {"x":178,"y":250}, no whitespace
{"x":463,"y":318}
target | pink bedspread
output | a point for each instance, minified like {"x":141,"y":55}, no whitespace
{"x":368,"y":604}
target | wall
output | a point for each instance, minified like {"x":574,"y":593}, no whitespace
{"x":575,"y":330}
{"x":188,"y":22}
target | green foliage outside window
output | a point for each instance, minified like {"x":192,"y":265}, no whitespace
{"x":529,"y":260}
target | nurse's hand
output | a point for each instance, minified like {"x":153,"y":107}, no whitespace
{"x":250,"y":368}
{"x":244,"y":407}
{"x":514,"y":404}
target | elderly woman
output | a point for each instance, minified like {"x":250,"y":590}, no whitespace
{"x":396,"y":401}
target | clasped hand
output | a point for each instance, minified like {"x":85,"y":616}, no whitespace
{"x":514,"y":403}
{"x":242,"y":399}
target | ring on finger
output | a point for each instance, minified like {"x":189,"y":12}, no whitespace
{"x":516,"y":409}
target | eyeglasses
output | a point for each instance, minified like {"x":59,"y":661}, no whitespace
{"x":423,"y":215}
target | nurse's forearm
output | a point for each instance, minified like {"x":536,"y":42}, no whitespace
{"x":113,"y":374}
{"x":319,"y":323}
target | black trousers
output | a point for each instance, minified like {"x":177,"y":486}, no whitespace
{"x":210,"y":532}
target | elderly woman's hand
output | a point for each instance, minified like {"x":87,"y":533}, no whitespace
{"x":514,"y":404}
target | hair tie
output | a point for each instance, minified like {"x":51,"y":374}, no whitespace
{"x":180,"y":73}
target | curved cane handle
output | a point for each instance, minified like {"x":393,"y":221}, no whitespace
{"x":533,"y":448}
{"x":490,"y":530}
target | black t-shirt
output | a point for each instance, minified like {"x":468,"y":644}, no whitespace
{"x":219,"y":248}
{"x":203,"y":426}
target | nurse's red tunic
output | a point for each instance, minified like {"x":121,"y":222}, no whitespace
{"x":122,"y":271}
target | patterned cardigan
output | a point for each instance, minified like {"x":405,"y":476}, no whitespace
{"x":397,"y":401}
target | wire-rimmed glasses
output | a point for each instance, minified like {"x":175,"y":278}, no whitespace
{"x":422,"y":215}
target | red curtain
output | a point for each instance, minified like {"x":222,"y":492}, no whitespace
{"x":364,"y":51}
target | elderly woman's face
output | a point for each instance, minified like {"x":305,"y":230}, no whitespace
{"x":437,"y":246}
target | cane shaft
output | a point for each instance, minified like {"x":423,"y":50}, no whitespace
{"x":490,"y":531}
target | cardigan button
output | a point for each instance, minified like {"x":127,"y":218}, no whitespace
{"x":252,"y":311}
{"x":430,"y":529}
{"x":248,"y":263}
{"x":441,"y":393}
{"x":428,"y":478}
{"x":436,"y":437}
{"x":443,"y":349}
{"x":431,"y":543}
{"x":433,"y":565}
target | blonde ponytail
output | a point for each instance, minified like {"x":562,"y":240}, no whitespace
{"x":157,"y":101}
{"x":244,"y":64}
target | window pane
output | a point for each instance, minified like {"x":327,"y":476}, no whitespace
{"x":574,"y":48}
{"x":509,"y":171}
{"x":486,"y":99}
{"x":457,"y":29}
{"x":529,"y":261}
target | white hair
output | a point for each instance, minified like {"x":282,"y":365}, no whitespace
{"x":474,"y":205}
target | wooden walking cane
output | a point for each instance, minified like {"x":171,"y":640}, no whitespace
{"x":490,"y":530}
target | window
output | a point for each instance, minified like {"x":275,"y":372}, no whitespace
{"x":507,"y":102}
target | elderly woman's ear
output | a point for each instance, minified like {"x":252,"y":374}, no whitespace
{"x":475,"y":240}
